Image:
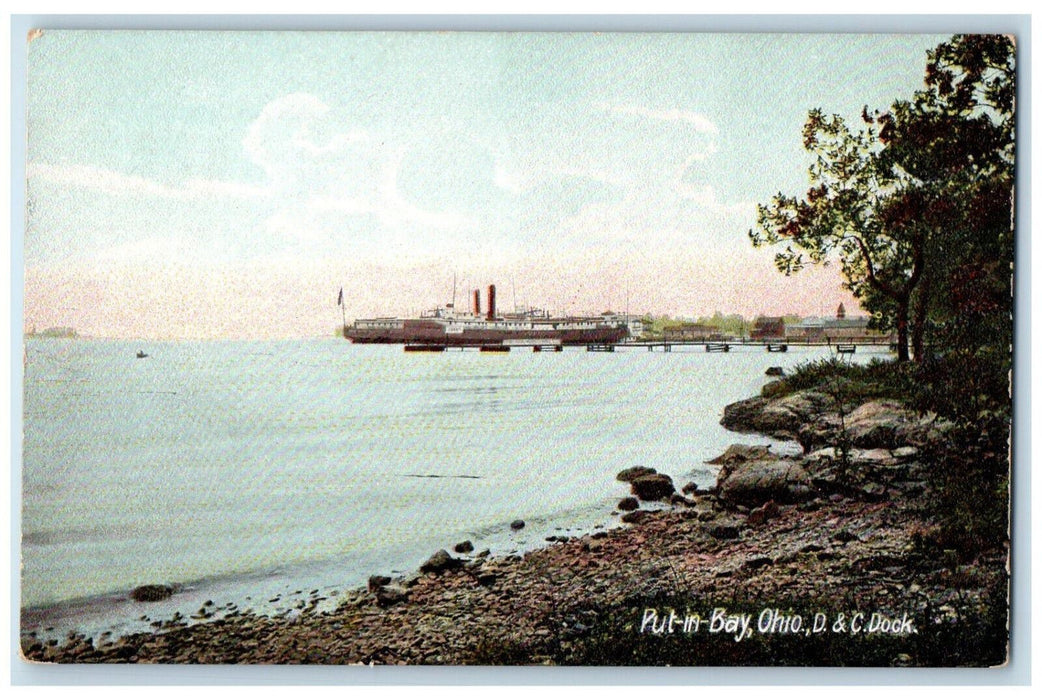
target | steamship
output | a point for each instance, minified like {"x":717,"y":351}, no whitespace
{"x":448,"y":326}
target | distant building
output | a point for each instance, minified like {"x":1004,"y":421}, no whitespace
{"x":767,"y":327}
{"x":690,"y":331}
{"x":634,"y":324}
{"x":841,"y":327}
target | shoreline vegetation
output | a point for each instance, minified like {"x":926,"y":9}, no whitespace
{"x":848,"y":555}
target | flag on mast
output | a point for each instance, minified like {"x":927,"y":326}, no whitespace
{"x":340,"y":297}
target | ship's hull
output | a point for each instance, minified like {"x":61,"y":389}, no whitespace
{"x":433,"y":333}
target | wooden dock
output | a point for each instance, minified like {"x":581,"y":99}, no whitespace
{"x":490,"y":347}
{"x":711,"y":346}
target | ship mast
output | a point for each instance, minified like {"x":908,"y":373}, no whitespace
{"x":343,"y":308}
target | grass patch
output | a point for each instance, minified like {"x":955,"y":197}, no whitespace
{"x":878,"y":379}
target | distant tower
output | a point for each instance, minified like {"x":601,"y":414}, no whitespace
{"x":841,"y":312}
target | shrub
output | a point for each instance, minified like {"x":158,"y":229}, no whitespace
{"x":874,"y":380}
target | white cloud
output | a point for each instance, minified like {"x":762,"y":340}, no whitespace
{"x":626,"y":146}
{"x":223,"y":188}
{"x":121,"y":184}
{"x":322,"y":169}
{"x":396,"y":211}
{"x":700,"y":122}
{"x":701,"y":194}
{"x":95,"y":178}
{"x":326,"y":204}
{"x":327,"y":187}
{"x":285,"y":125}
{"x":510,"y":180}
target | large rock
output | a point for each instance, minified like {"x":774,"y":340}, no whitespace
{"x":724,"y":531}
{"x":744,"y":453}
{"x":377,"y":581}
{"x":628,"y":503}
{"x":634,"y":473}
{"x":635,"y":516}
{"x":691,"y":489}
{"x":768,"y":511}
{"x":757,"y":482}
{"x":873,"y":458}
{"x":653,"y":487}
{"x":879,"y":424}
{"x":874,"y":425}
{"x":440,"y":561}
{"x":391,"y":595}
{"x":151,"y":593}
{"x":779,"y":417}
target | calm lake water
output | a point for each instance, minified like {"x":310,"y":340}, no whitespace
{"x":247,"y":472}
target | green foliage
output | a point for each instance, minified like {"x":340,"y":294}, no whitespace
{"x":655,"y":325}
{"x":956,"y":138}
{"x":970,"y":477}
{"x":861,"y":382}
{"x":968,"y":460}
{"x":916,"y":206}
{"x":970,"y":390}
{"x":734,"y":325}
{"x":843,"y":217}
{"x":731,"y":324}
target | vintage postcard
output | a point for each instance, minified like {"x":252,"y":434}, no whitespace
{"x":517,"y":348}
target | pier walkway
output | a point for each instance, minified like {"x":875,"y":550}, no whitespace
{"x":846,"y":347}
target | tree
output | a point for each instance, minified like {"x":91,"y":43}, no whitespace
{"x":956,"y":141}
{"x":916,"y":206}
{"x":849,"y":213}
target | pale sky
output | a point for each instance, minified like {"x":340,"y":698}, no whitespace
{"x":228,"y":184}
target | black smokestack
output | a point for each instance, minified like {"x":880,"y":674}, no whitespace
{"x":477,"y":302}
{"x":492,"y":302}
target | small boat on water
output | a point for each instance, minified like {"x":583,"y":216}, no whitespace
{"x":141,"y":354}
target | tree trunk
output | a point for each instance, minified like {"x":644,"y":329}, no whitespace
{"x":902,"y":330}
{"x":922,"y":304}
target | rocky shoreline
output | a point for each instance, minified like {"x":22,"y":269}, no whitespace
{"x":844,"y":529}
